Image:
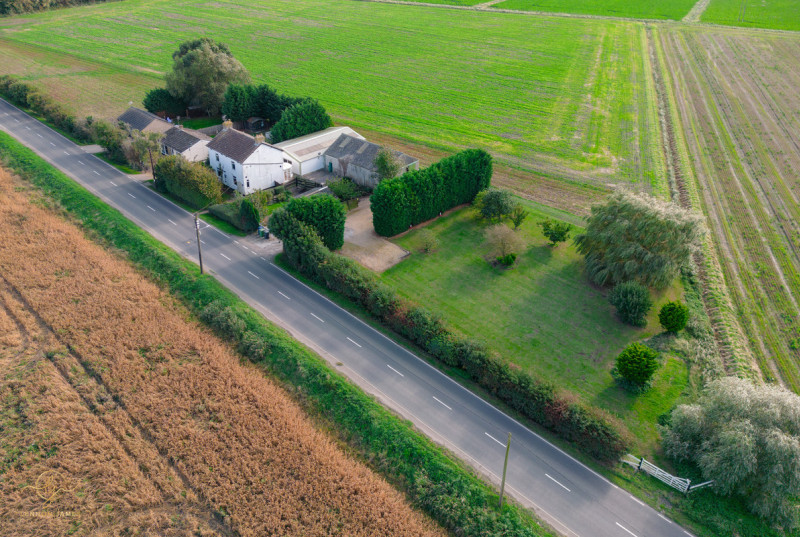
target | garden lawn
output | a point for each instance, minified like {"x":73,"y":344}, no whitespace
{"x":542,"y":314}
{"x":567,"y":98}
{"x":775,"y":14}
{"x":637,"y":9}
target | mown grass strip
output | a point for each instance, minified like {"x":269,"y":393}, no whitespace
{"x":434,"y":481}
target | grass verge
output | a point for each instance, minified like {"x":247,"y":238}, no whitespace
{"x":434,"y":480}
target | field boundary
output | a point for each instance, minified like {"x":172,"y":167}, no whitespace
{"x":696,"y":12}
{"x":728,"y":335}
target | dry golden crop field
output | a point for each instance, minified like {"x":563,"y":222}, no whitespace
{"x":122,"y":417}
{"x":738,"y":112}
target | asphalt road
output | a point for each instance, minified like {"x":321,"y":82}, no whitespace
{"x":574,"y":499}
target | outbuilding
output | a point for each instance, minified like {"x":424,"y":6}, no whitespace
{"x":246,"y":163}
{"x":354,"y":157}
{"x":306,"y":152}
{"x":140,"y":120}
{"x":190,"y":144}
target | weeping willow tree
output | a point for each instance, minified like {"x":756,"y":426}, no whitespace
{"x":635,"y":237}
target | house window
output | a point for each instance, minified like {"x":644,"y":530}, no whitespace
{"x":217,"y":157}
{"x":248,"y":183}
{"x":234,"y":165}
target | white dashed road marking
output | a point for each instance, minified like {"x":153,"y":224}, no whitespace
{"x":557,"y":483}
{"x":97,"y":173}
{"x":81,"y":163}
{"x":225,"y":256}
{"x":637,"y":501}
{"x":131,"y":195}
{"x":66,"y":153}
{"x":171,"y":222}
{"x":665,"y":518}
{"x":353,"y":342}
{"x":441,"y":403}
{"x":317,"y":318}
{"x":495,"y":439}
{"x":151,"y":208}
{"x":284,"y":296}
{"x":393,"y":369}
{"x":626,"y":529}
{"x":253,"y":275}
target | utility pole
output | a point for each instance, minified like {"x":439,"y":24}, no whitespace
{"x":505,"y":467}
{"x":199,"y":250}
{"x":152,"y":167}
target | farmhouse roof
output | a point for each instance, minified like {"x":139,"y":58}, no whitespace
{"x":361,"y":153}
{"x":180,"y":139}
{"x":312,"y":144}
{"x":234,"y":144}
{"x":139,"y":119}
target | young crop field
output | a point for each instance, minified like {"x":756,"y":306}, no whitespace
{"x":643,"y":9}
{"x":119,"y":416}
{"x":565,"y":98}
{"x":775,"y":14}
{"x":739,"y":113}
{"x":545,"y":315}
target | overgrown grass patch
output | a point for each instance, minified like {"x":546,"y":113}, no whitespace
{"x":542,"y":314}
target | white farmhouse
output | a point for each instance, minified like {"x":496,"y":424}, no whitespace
{"x":245,"y":163}
{"x":191,"y":145}
{"x":307,"y":152}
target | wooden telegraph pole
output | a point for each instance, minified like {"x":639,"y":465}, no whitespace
{"x":505,"y":467}
{"x":199,"y":250}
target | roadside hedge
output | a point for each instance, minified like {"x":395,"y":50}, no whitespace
{"x":433,"y":479}
{"x":191,"y":182}
{"x":324,"y":213}
{"x":593,"y":431}
{"x":420,"y":195}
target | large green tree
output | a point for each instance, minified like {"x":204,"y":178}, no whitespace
{"x":747,"y":439}
{"x":635,"y":237}
{"x":201,"y":72}
{"x":300,"y":119}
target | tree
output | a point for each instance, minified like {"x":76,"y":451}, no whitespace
{"x":494,"y":204}
{"x":637,"y":237}
{"x":161,"y":100}
{"x":386,"y":164}
{"x":192,"y":182}
{"x":300,"y":119}
{"x":636,"y":364}
{"x":140,"y":146}
{"x":248,"y":215}
{"x":632,"y":301}
{"x":673,"y":316}
{"x":747,"y":439}
{"x":503,"y":241}
{"x":428,"y":241}
{"x":111,"y":137}
{"x":555,"y":231}
{"x":201,"y":72}
{"x":237,"y":103}
{"x":324,"y":213}
{"x":518,"y":216}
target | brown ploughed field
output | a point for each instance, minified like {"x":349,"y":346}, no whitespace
{"x":121,"y":416}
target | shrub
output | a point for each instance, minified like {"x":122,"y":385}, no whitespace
{"x":507,"y":259}
{"x":428,"y":241}
{"x":192,"y":182}
{"x":420,"y":195}
{"x":632,"y":301}
{"x":495,"y":204}
{"x":518,"y":215}
{"x":555,"y":231}
{"x":160,"y":100}
{"x":248,"y":215}
{"x":673,"y":316}
{"x":502,"y":241}
{"x":324,"y":213}
{"x":344,"y":189}
{"x":636,"y":364}
{"x":300,"y":119}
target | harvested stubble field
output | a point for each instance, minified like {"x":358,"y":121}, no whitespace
{"x":146,"y":423}
{"x":739,"y":115}
{"x":565,"y":98}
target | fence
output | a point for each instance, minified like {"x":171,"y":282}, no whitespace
{"x":682,"y":484}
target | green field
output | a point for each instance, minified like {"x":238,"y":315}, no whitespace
{"x":775,"y":14}
{"x":641,"y":9}
{"x":545,"y":316}
{"x":569,"y":98}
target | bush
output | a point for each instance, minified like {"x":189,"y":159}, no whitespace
{"x":344,"y":189}
{"x":495,"y":204}
{"x":191,"y":182}
{"x":673,"y":316}
{"x":300,"y":119}
{"x":420,"y":195}
{"x":160,"y":100}
{"x":503,"y":242}
{"x":428,"y":241}
{"x":555,"y":231}
{"x":632,"y":301}
{"x":507,"y":259}
{"x":324,"y":213}
{"x":248,"y":215}
{"x":591,"y":430}
{"x":636,"y":364}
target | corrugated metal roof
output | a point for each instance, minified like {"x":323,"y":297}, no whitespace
{"x":359,"y":152}
{"x":314,"y":143}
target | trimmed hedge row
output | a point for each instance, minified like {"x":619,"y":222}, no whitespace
{"x":593,"y":431}
{"x":432,"y":479}
{"x":420,"y":195}
{"x":195,"y":184}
